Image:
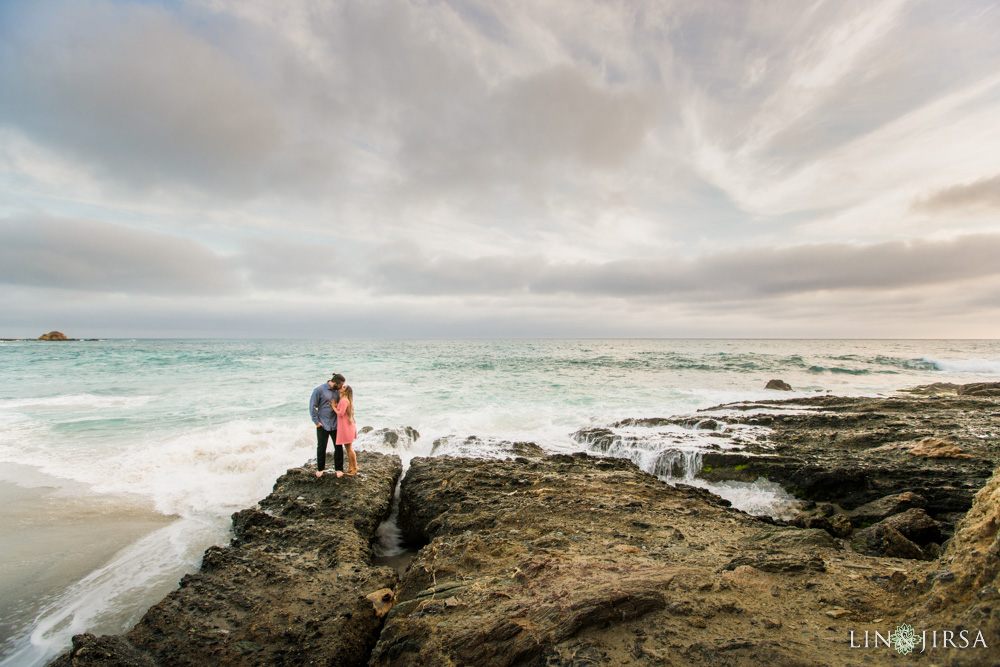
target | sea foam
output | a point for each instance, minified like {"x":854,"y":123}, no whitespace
{"x":970,"y":366}
{"x":111,"y":599}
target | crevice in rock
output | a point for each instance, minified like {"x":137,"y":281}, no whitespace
{"x":390,"y":547}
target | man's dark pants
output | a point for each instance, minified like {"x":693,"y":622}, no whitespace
{"x":322,"y":438}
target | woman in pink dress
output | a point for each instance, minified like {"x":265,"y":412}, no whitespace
{"x":347,"y":430}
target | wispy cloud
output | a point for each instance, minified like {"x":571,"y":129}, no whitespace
{"x":717,"y":277}
{"x":982,"y":194}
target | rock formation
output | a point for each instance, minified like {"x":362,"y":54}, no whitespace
{"x":966,"y":588}
{"x":937,"y":448}
{"x":980,"y":389}
{"x":573,"y":560}
{"x":779,"y":385}
{"x":587,"y":560}
{"x":856,"y":450}
{"x":885,"y":507}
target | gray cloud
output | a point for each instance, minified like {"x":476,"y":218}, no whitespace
{"x":131,"y":92}
{"x":555,"y":118}
{"x":982,"y":194}
{"x":87,"y":255}
{"x":281,"y":264}
{"x":453,"y":127}
{"x":722,"y":276}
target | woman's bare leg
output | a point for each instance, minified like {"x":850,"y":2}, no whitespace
{"x":352,"y":459}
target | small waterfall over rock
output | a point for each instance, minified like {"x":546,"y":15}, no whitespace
{"x":670,"y":454}
{"x":390,"y":549}
{"x":390,"y":538}
{"x":674,"y":464}
{"x":672,"y":450}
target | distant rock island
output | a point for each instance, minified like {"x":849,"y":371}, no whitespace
{"x":52,"y":335}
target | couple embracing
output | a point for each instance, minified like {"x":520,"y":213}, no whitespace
{"x":331,"y":408}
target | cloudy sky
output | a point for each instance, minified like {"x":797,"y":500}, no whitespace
{"x":494,"y":168}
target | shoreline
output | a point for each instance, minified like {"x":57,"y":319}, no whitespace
{"x":52,"y":535}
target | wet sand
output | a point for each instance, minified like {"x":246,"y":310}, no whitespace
{"x":52,"y":534}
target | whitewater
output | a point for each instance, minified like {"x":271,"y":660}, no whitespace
{"x":124,"y":459}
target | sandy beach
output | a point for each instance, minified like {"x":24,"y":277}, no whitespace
{"x":52,"y":534}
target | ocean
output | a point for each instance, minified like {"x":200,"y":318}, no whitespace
{"x":122,"y":460}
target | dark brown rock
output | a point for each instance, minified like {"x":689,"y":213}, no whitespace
{"x":104,"y":651}
{"x":915,"y":525}
{"x":980,"y":389}
{"x":837,"y":525}
{"x":53,"y":335}
{"x":768,"y":563}
{"x":779,"y":385}
{"x":934,"y":389}
{"x":875,"y":511}
{"x":884,"y":540}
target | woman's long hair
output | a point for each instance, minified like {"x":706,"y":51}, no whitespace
{"x":348,"y":393}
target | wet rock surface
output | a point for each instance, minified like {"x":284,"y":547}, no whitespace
{"x":853,"y":451}
{"x":399,"y":438}
{"x":472,"y":446}
{"x":104,"y":651}
{"x":868,"y":458}
{"x":980,"y":389}
{"x":291,"y":588}
{"x":578,"y":560}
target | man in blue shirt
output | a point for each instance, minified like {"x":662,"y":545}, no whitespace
{"x":321,"y":413}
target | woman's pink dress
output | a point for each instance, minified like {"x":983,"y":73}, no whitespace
{"x":346,"y":430}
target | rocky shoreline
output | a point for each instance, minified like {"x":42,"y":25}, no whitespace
{"x":293,"y":587}
{"x":588,"y":560}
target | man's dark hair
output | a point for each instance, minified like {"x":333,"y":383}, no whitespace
{"x":338,"y":379}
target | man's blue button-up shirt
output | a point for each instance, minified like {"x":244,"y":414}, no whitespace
{"x":320,"y":409}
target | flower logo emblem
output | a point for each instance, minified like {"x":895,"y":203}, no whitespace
{"x":904,"y":639}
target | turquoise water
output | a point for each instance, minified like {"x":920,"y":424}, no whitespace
{"x":197,"y":429}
